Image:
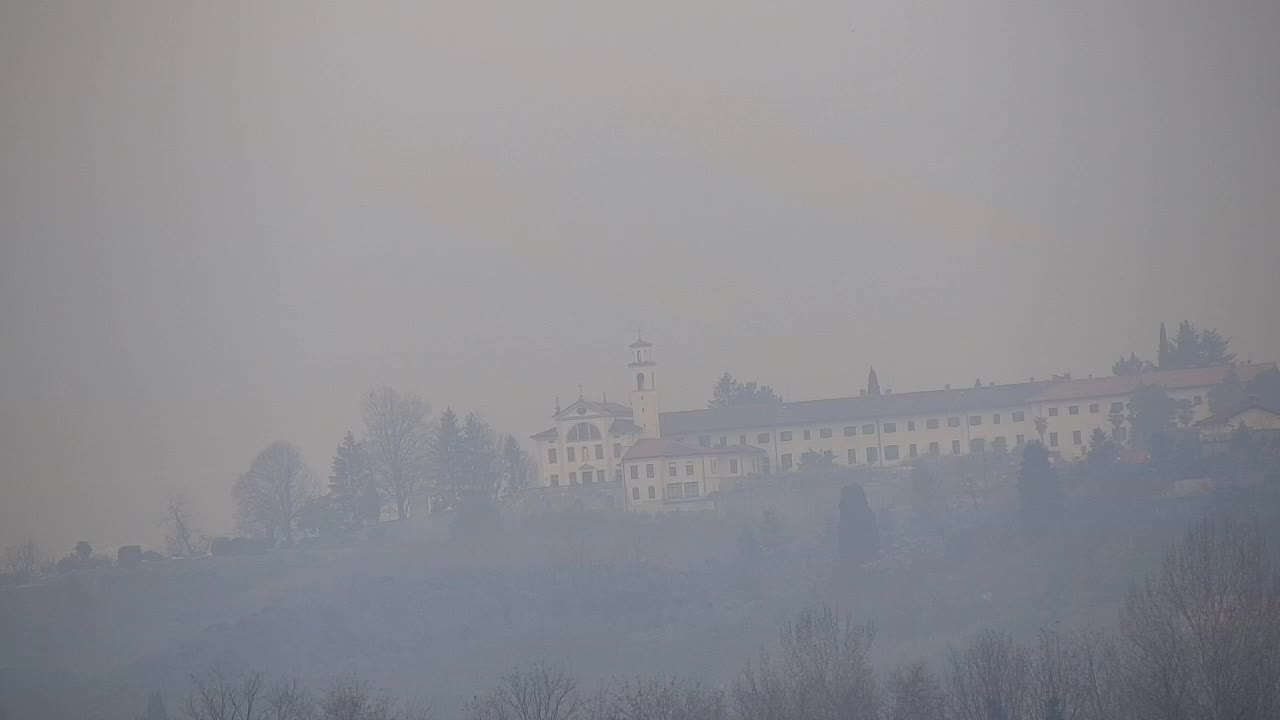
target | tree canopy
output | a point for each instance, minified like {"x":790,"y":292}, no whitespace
{"x":729,"y":392}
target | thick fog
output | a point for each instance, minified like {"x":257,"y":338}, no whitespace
{"x":223,"y":224}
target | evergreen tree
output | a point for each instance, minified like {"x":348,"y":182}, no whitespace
{"x":858,"y":535}
{"x":84,"y":549}
{"x":725,"y":392}
{"x":1132,"y":365}
{"x":1039,"y":492}
{"x":1212,"y":350}
{"x":479,"y":461}
{"x":447,"y":459}
{"x":729,"y":392}
{"x":351,"y":474}
{"x":155,"y":708}
{"x":1102,"y":449}
{"x":1162,"y":359}
{"x":516,"y":467}
{"x":1151,"y":414}
{"x":873,"y":384}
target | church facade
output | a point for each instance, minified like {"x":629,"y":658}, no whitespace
{"x":681,"y":459}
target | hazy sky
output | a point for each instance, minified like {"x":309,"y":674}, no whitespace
{"x":221,"y":222}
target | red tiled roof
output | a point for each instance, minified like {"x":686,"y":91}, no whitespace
{"x":1126,"y":384}
{"x":1224,"y":416}
{"x":813,"y":412}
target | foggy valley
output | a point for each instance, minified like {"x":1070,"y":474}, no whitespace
{"x":663,"y":361}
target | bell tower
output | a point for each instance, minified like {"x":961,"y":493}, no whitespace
{"x":644,"y":389}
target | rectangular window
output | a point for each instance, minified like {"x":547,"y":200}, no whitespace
{"x":733,"y":466}
{"x":762,"y":438}
{"x":911,"y":450}
{"x":704,"y":441}
{"x":573,"y":478}
{"x":691,"y":490}
{"x":724,"y":441}
{"x":953,"y":422}
{"x":869,"y":429}
{"x":599,"y":476}
{"x":931,"y":424}
{"x":671,"y":469}
{"x":786,"y":462}
{"x":785,"y":436}
{"x":1196,"y":400}
{"x":617,"y":475}
{"x":873,"y":454}
{"x":1053,"y":412}
{"x":850,"y":431}
{"x":1094,"y":408}
{"x":975,"y":420}
{"x":742,"y":439}
{"x":911,"y":426}
{"x":999,"y":444}
{"x":551,"y":456}
{"x":1075,"y":437}
{"x":688,"y":468}
{"x":933,"y":448}
{"x":555,"y":480}
{"x":648,"y":471}
{"x":1020,"y":439}
{"x":977,"y":445}
{"x":1019,"y":416}
{"x":635,"y":494}
{"x":635,"y":472}
{"x":1073,"y":410}
{"x":1053,"y":439}
{"x":617,"y":449}
{"x":853,"y":456}
{"x":955,"y":447}
{"x":824,"y":433}
{"x":675,"y":491}
{"x":600,"y":452}
{"x":569,"y":454}
{"x":890,"y":427}
{"x":1117,"y":407}
{"x":995,"y":419}
{"x":651,"y":493}
{"x":890,"y":452}
{"x":806,"y":435}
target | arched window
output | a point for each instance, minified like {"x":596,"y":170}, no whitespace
{"x":583,"y":432}
{"x":639,"y":381}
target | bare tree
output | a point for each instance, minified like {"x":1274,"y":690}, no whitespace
{"x":823,"y":671}
{"x":914,"y":693}
{"x":20,"y":560}
{"x":541,"y":693}
{"x":991,"y":680}
{"x":655,"y":699}
{"x":218,"y":696}
{"x":354,"y":699}
{"x":398,"y":435}
{"x":181,"y":538}
{"x":1202,"y":638}
{"x":287,"y":701}
{"x":270,"y":496}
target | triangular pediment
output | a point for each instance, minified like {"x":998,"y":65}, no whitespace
{"x":587,"y":409}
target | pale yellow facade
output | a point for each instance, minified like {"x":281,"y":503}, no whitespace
{"x":885,"y":430}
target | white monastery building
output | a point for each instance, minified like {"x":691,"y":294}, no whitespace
{"x":664,"y":460}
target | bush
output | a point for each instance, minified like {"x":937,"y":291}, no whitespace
{"x":129,"y":556}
